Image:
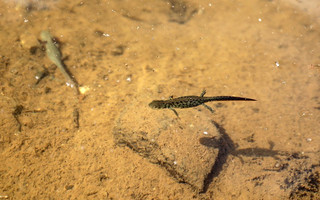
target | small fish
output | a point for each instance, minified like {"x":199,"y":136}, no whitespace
{"x":192,"y":101}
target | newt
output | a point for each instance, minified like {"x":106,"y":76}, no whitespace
{"x":192,"y":101}
{"x":55,"y":56}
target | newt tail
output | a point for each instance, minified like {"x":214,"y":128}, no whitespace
{"x":192,"y":101}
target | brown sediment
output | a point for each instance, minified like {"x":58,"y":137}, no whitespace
{"x":130,"y":54}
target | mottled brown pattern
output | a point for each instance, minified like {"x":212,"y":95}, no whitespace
{"x":192,"y":101}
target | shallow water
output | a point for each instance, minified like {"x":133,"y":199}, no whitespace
{"x":125,"y":53}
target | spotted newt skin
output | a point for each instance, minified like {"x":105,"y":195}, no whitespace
{"x":192,"y":101}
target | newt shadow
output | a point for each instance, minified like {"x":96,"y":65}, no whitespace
{"x":227,"y":147}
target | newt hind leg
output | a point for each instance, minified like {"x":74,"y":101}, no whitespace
{"x":203,"y":92}
{"x":208,"y":107}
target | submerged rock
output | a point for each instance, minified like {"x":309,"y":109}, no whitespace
{"x":172,"y":143}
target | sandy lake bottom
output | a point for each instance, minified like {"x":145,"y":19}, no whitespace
{"x":107,"y":143}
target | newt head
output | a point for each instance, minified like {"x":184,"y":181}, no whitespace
{"x":156,"y":104}
{"x":45,"y":36}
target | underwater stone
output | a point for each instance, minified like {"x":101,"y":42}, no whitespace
{"x":171,"y":143}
